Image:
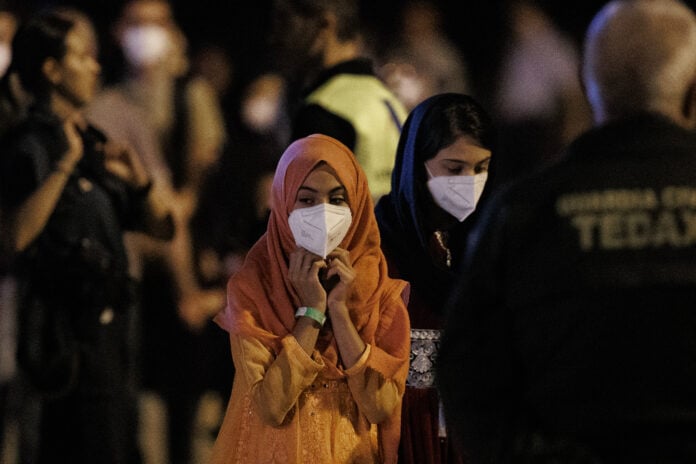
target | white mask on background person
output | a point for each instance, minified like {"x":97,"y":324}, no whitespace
{"x":260,"y":113}
{"x":321,"y":228}
{"x":146,"y":45}
{"x":458,"y":195}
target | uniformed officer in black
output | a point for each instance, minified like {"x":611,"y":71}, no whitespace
{"x":68,"y":195}
{"x":572,"y":335}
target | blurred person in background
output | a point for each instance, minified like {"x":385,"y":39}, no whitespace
{"x":264,"y":107}
{"x":212,"y":62}
{"x":538,"y":99}
{"x":423,"y":60}
{"x":9,"y":20}
{"x":235,"y":201}
{"x":68,"y":193}
{"x":318,"y":46}
{"x":233,"y":208}
{"x":176,"y":114}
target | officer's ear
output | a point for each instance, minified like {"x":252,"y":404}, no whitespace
{"x":52,"y":71}
{"x":329,"y":22}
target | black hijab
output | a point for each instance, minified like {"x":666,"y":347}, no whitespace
{"x":408,"y":215}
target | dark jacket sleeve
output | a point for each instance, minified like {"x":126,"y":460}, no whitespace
{"x":475,"y":368}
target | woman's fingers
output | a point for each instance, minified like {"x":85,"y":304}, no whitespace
{"x":341,"y":255}
{"x":303,"y":272}
{"x":345,"y":272}
{"x":339,"y":264}
{"x":305,"y":266}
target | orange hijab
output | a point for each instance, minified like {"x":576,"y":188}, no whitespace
{"x":261,"y":300}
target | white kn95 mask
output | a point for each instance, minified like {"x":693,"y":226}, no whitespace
{"x":320,"y":228}
{"x":458,"y":195}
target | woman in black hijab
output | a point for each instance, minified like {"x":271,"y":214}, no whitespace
{"x":441,"y":168}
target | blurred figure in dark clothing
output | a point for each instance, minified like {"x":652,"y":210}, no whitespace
{"x":68,"y":194}
{"x":570,"y":335}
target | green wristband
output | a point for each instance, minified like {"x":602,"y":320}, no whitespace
{"x":315,"y":314}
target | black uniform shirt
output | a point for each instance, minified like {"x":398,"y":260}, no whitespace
{"x":575,"y":323}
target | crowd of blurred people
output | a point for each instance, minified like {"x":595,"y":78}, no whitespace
{"x":171,"y":142}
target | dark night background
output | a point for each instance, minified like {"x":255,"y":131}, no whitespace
{"x":240,"y":26}
{"x":478,"y":27}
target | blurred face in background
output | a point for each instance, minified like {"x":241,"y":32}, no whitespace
{"x":295,"y":41}
{"x":76,"y":76}
{"x":149,"y":35}
{"x":262,"y":103}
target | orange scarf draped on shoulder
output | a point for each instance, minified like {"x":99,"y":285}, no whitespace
{"x":261,"y":300}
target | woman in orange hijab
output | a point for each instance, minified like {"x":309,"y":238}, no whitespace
{"x":320,"y":339}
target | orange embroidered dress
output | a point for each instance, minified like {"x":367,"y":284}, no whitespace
{"x":286,"y":406}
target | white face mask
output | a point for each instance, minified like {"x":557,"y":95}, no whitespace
{"x":458,"y":195}
{"x":260,"y":113}
{"x":321,"y":228}
{"x":145,"y":45}
{"x":5,"y":57}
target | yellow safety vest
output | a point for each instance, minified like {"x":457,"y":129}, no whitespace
{"x":377,"y":117}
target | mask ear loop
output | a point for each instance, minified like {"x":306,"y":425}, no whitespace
{"x":430,"y":174}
